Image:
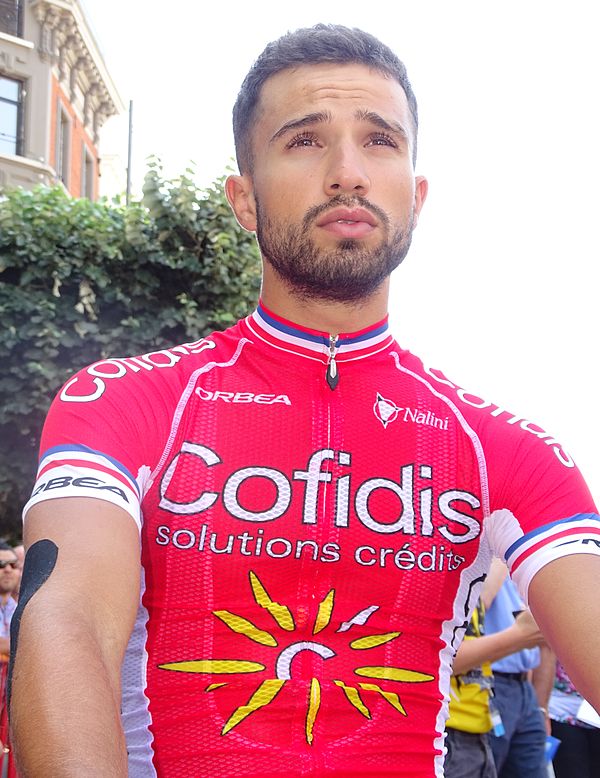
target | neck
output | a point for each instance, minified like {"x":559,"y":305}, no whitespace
{"x":326,"y":316}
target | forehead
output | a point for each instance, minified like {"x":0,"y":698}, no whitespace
{"x":5,"y":554}
{"x":341,"y":88}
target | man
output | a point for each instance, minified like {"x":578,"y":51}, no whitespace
{"x":468,"y":753}
{"x":317,"y":514}
{"x":520,"y":747}
{"x":20,"y":554}
{"x":473,"y":710}
{"x":9,"y":580}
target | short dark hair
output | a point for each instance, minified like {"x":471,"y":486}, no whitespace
{"x":312,"y":46}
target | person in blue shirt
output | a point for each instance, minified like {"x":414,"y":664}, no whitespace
{"x":518,"y":745}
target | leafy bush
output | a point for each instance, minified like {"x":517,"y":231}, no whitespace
{"x":82,"y":281}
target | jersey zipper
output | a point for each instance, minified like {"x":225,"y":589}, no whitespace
{"x":332,"y":371}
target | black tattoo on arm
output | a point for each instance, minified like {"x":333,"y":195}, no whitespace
{"x":40,"y":561}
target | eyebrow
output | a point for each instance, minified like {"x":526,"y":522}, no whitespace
{"x":311,"y":118}
{"x":379,"y":121}
{"x":325,"y":116}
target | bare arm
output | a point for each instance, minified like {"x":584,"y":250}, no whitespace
{"x":65,"y":702}
{"x":564,"y":599}
{"x":493,"y":582}
{"x":543,"y":676}
{"x":542,"y":679}
{"x":524,"y":633}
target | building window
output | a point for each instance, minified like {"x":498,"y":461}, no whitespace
{"x":11,"y":115}
{"x":11,"y":17}
{"x":87,"y":173}
{"x":63,"y":145}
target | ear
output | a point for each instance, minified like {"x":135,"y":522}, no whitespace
{"x":421,"y":189}
{"x":240,"y":193}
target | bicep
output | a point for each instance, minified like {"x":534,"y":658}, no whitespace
{"x":77,"y":605}
{"x":564,"y":601}
{"x":83,"y":566}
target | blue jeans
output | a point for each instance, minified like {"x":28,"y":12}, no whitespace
{"x":468,"y":755}
{"x":520,"y":752}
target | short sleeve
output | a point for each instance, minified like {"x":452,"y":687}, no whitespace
{"x":104,"y":434}
{"x":541,"y":507}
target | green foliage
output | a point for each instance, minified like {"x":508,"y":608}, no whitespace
{"x":82,"y":281}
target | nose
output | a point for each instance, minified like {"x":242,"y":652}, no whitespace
{"x":346,"y":173}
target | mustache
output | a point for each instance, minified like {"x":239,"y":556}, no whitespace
{"x":345,"y":201}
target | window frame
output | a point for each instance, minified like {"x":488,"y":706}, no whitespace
{"x":87,"y":172}
{"x":62,"y":150}
{"x":17,"y":29}
{"x":19,"y":103}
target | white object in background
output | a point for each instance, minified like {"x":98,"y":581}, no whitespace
{"x":588,"y":715}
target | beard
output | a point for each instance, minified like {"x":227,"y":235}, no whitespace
{"x":349,"y":272}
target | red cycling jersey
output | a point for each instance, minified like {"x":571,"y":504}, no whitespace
{"x":310,"y":555}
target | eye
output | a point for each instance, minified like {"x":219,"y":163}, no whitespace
{"x":382,"y":139}
{"x":302,"y":139}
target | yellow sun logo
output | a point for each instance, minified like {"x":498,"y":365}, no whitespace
{"x":268,"y":689}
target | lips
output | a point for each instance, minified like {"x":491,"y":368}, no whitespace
{"x":347,"y":223}
{"x":347,"y":215}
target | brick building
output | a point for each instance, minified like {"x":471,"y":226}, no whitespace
{"x":55,"y":95}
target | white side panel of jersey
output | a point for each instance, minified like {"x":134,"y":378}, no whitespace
{"x":453,"y":631}
{"x":135,"y":714}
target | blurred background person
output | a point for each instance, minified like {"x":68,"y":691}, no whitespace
{"x":473,"y":714}
{"x":20,"y":554}
{"x":578,"y":755}
{"x":9,"y":580}
{"x":519,"y":744}
{"x":10,"y":576}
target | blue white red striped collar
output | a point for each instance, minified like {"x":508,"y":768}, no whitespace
{"x":315,"y":344}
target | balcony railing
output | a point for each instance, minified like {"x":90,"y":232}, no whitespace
{"x":11,"y":17}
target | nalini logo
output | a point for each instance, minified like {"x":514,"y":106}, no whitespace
{"x":387,"y":411}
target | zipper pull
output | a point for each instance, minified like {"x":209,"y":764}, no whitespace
{"x":332,"y":372}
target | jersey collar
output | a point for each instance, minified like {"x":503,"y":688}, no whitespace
{"x":314,"y":344}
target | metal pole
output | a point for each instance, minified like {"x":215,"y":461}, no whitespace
{"x":128,"y":190}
